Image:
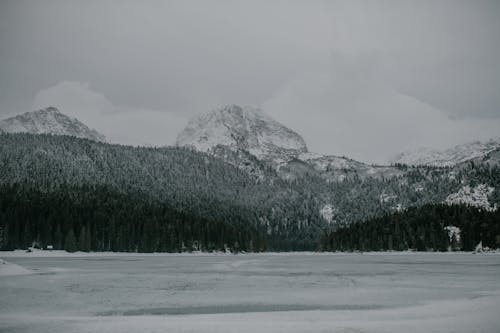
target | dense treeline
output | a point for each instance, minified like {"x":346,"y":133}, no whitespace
{"x":421,"y":229}
{"x":235,"y":190}
{"x":97,"y":218}
{"x":192,"y":182}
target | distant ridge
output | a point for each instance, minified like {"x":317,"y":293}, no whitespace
{"x":49,"y":121}
{"x":448,"y":157}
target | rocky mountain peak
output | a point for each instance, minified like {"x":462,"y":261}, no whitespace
{"x":244,"y":128}
{"x":49,"y":121}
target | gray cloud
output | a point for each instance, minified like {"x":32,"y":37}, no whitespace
{"x":120,"y":124}
{"x":350,"y":110}
{"x":332,"y":60}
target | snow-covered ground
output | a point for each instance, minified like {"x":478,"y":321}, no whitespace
{"x":308,"y":292}
{"x":9,"y":269}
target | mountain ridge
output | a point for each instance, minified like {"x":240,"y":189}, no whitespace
{"x":448,"y":157}
{"x":49,"y":121}
{"x":245,"y":128}
{"x":250,"y":130}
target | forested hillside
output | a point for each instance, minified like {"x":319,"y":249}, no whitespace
{"x":427,"y":228}
{"x":190,"y":182}
{"x":207,"y":192}
{"x":97,"y":218}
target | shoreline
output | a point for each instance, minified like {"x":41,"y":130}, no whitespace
{"x":64,"y":254}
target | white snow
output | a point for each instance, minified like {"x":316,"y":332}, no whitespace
{"x":447,"y":157}
{"x":244,"y":128}
{"x":49,"y":121}
{"x":299,"y":292}
{"x":334,"y":167}
{"x":327,"y":212}
{"x":384,"y":197}
{"x":473,"y":196}
{"x":398,"y":207}
{"x":9,"y":269}
{"x":453,"y":233}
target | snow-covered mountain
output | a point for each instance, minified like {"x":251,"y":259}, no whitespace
{"x":243,"y":128}
{"x":49,"y":121}
{"x":448,"y":157}
{"x":250,"y":131}
{"x":492,"y":158}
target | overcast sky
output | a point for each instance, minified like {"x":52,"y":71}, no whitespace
{"x":365,"y":79}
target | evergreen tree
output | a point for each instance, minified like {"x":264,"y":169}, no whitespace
{"x":70,"y":243}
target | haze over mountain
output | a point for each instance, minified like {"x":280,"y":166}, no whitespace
{"x":249,"y":130}
{"x":243,"y":135}
{"x":49,"y":121}
{"x":364,"y":80}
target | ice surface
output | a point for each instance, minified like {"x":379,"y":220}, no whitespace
{"x":382,"y":292}
{"x":8,"y":269}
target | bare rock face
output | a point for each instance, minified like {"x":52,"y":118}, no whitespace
{"x":49,"y":121}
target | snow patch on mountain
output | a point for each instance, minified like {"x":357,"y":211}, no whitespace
{"x":385,"y":198}
{"x":243,"y":128}
{"x":250,"y":130}
{"x":492,"y":158}
{"x":398,"y":207}
{"x":448,"y":157}
{"x":328,"y":162}
{"x":453,"y":233}
{"x":339,"y":168}
{"x":327,"y":212}
{"x":473,"y":196}
{"x":49,"y":121}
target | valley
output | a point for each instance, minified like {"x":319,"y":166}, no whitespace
{"x":236,"y":180}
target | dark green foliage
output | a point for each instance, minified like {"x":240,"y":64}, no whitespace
{"x":421,"y":229}
{"x":201,"y":191}
{"x":100,"y":219}
{"x":70,"y":244}
{"x":191,"y":182}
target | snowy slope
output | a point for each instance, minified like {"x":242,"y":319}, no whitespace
{"x":49,"y":121}
{"x":243,"y":128}
{"x":448,"y":157}
{"x":473,"y":196}
{"x":338,"y":168}
{"x":492,"y":158}
{"x":250,"y":130}
{"x":327,"y":162}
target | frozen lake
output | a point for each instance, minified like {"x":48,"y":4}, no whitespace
{"x":387,"y":292}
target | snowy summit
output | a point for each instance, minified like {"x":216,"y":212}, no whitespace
{"x":242,"y":128}
{"x":49,"y":121}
